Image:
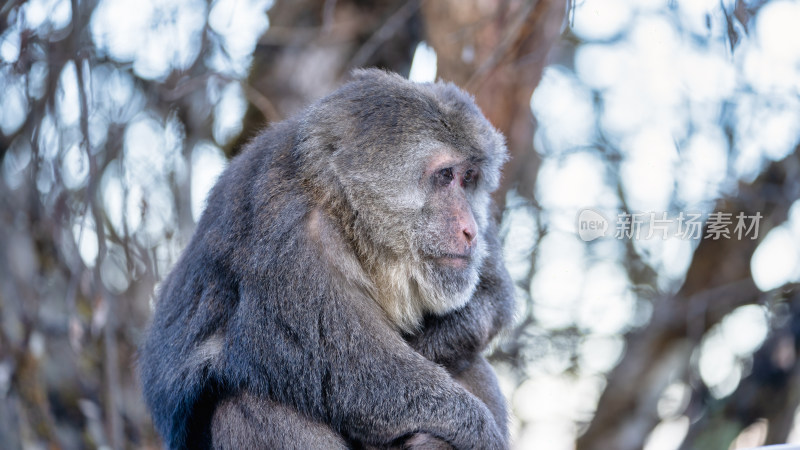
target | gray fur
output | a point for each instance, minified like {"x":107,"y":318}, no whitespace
{"x":318,"y":304}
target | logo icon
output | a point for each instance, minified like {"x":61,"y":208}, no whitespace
{"x":591,"y":225}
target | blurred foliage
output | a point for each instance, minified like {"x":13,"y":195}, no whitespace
{"x":102,"y":118}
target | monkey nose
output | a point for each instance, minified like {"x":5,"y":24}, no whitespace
{"x":469,"y":234}
{"x":470,"y":231}
{"x":469,"y":228}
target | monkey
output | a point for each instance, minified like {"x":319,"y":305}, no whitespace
{"x":341,"y":283}
{"x":454,"y":341}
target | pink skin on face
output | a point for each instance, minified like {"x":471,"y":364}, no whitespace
{"x":462,"y":230}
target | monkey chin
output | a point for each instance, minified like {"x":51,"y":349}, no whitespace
{"x":407,"y":291}
{"x":449,"y":283}
{"x":449,"y":280}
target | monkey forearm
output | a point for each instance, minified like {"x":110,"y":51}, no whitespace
{"x":479,"y":379}
{"x":432,"y":402}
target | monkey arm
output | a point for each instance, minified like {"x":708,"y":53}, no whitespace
{"x":479,"y":379}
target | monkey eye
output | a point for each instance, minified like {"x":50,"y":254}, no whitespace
{"x":470,"y":176}
{"x":444,"y":176}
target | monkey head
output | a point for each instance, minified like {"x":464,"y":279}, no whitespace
{"x":406,"y":170}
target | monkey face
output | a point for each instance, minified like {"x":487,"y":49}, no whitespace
{"x":410,"y":168}
{"x":450,"y":235}
{"x":449,"y":228}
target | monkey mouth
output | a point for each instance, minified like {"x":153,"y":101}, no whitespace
{"x":461,"y":261}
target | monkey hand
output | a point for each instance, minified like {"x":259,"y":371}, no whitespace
{"x":453,"y":340}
